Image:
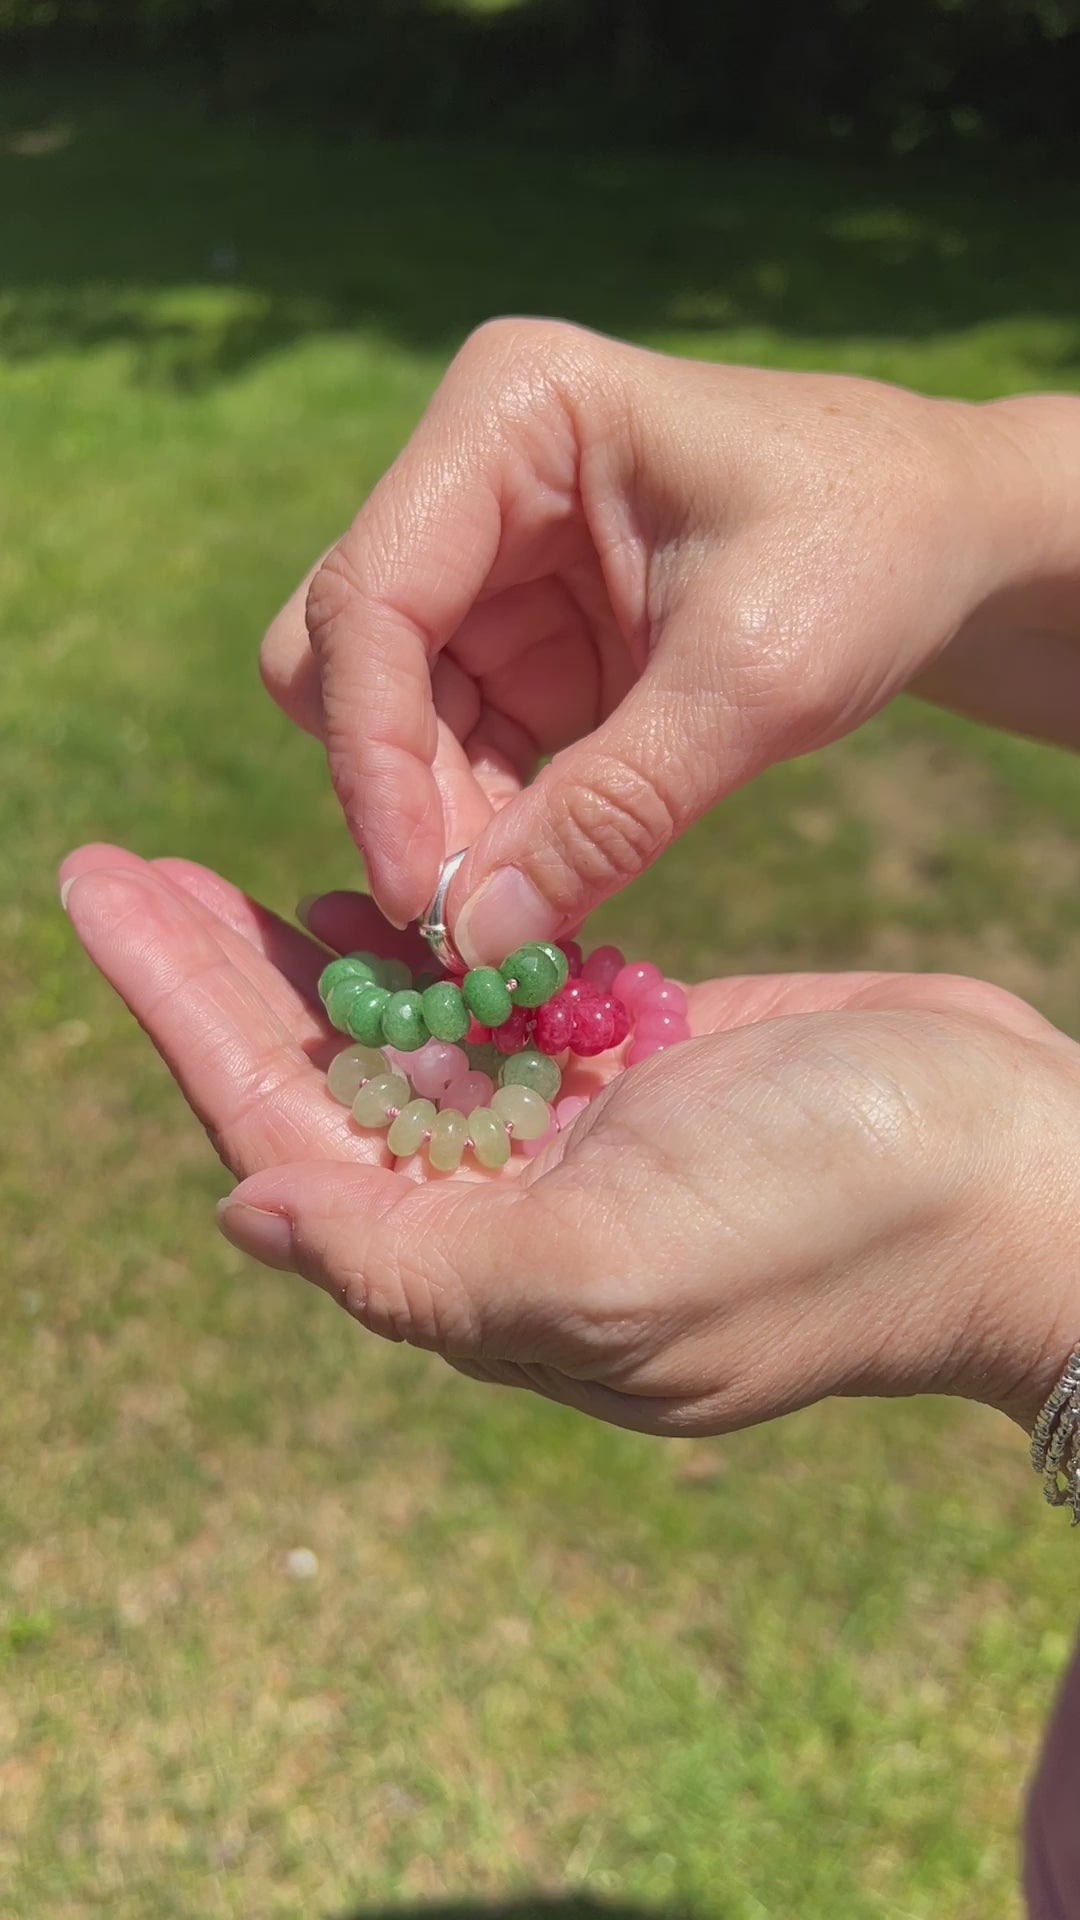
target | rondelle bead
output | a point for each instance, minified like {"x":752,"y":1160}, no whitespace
{"x":384,"y":1095}
{"x":432,"y":1069}
{"x":558,"y":959}
{"x":486,"y":1059}
{"x":594,"y":1026}
{"x":486,"y":996}
{"x":469,"y":1090}
{"x":408,"y":1131}
{"x":553,"y":1028}
{"x":364,"y":957}
{"x":652,"y":1023}
{"x":514,"y":1033}
{"x":478,"y":1035}
{"x":350,"y":1068}
{"x":340,"y":998}
{"x":575,"y":959}
{"x":352,"y":966}
{"x":445,"y":1011}
{"x":531,"y":1069}
{"x":404,"y":1025}
{"x":490,"y":1140}
{"x":602,"y":965}
{"x":534,"y":974}
{"x":567,"y":1110}
{"x":523,"y":1111}
{"x":449,"y":1137}
{"x":395,"y":975}
{"x":364,"y":1016}
{"x":644,"y":1050}
{"x":620,"y":1019}
{"x":635,"y":982}
{"x":530,"y":1148}
{"x":668,"y":997}
{"x":422,"y":981}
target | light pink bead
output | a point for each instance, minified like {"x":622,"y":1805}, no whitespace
{"x":636,"y":982}
{"x":668,"y":997}
{"x":568,"y":1109}
{"x":651,"y":1023}
{"x":644,"y":1050}
{"x":469,"y":1090}
{"x":432,"y":1067}
{"x":532,"y":1147}
{"x":602,"y":966}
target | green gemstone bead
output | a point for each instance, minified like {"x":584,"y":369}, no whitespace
{"x":486,"y":1059}
{"x":394,"y":975}
{"x":522,"y":1110}
{"x":535,"y":976}
{"x":486,"y":996}
{"x":491,"y":1142}
{"x":448,"y":1137}
{"x":342,"y":997}
{"x":529,"y":1069}
{"x":445,"y":1011}
{"x":425,"y":980}
{"x":381,"y":1097}
{"x":404,"y":1025}
{"x":350,"y":1068}
{"x":558,"y":960}
{"x":407,"y":1132}
{"x":364,"y":1018}
{"x":371,"y":962}
{"x":350,"y":967}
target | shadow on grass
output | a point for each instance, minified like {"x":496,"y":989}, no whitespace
{"x":200,"y":248}
{"x":530,"y":1907}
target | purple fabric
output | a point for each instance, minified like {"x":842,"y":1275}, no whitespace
{"x":1052,"y":1835}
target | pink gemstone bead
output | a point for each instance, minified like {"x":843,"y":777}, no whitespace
{"x":652,"y":1024}
{"x":620,"y":1019}
{"x":532,"y":1147}
{"x":477,"y":1035}
{"x":594,"y":1026}
{"x":574,"y":958}
{"x":469,"y":1090}
{"x":554,"y":1027}
{"x":644,"y":1050}
{"x":601,"y":967}
{"x":432,"y":1067}
{"x":668,"y":997}
{"x":567,"y":1110}
{"x":514,"y":1033}
{"x":635,"y":982}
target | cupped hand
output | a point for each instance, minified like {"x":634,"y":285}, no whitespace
{"x":668,"y":575}
{"x":843,"y":1184}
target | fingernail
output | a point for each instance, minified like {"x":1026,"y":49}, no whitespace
{"x":65,"y":889}
{"x":502,"y":914}
{"x":265,"y":1236}
{"x":303,"y":908}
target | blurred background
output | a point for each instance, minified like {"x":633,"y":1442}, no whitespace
{"x":290,"y":1622}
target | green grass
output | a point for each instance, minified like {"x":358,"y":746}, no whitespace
{"x":799,"y":1671}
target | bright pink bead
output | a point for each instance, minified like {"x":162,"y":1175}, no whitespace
{"x":620,"y":1019}
{"x":652,"y":1024}
{"x":469,"y":1090}
{"x":514,"y":1033}
{"x":594,"y":1025}
{"x":634,"y":982}
{"x":553,"y":1030}
{"x":432,"y":1067}
{"x":532,"y":1147}
{"x":573,"y":957}
{"x":602,"y":966}
{"x":477,"y":1035}
{"x":668,"y":997}
{"x":644,"y":1050}
{"x":567,"y":1110}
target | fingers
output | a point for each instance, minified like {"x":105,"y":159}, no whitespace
{"x":352,"y":923}
{"x":218,"y":1023}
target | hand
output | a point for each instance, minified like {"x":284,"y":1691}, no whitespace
{"x":669,"y":575}
{"x":849,"y":1184}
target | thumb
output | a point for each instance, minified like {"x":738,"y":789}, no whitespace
{"x":596,"y":817}
{"x":454,"y":1267}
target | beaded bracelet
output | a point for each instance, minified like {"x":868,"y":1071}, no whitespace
{"x":1055,"y":1441}
{"x":476,"y":1062}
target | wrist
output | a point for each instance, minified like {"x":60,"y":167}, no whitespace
{"x":1029,"y":448}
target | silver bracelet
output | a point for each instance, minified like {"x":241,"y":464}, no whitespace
{"x":1055,"y":1441}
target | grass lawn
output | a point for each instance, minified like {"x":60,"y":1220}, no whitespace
{"x":800,"y":1671}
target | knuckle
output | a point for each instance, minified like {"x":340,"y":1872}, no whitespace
{"x":333,"y":590}
{"x":612,"y":823}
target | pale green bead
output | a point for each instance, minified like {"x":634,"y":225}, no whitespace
{"x":491,"y":1142}
{"x":350,"y":1068}
{"x":531,"y":1068}
{"x":523,"y":1111}
{"x":395,"y":975}
{"x":449,"y":1137}
{"x":374,"y":1101}
{"x":407,"y":1132}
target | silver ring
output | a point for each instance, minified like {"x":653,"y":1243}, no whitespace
{"x":433,"y":925}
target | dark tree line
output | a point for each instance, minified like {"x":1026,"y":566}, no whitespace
{"x":869,"y":74}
